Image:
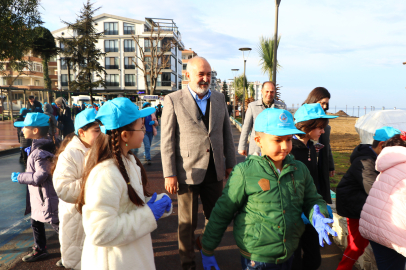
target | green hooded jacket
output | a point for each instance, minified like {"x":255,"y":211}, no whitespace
{"x":266,"y":207}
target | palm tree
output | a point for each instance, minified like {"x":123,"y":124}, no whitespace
{"x":239,"y":87}
{"x":265,"y":50}
{"x":44,"y":46}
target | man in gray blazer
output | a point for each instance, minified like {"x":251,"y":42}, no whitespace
{"x":197,"y":151}
{"x":254,"y":108}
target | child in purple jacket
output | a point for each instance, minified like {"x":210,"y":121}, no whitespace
{"x":42,"y":201}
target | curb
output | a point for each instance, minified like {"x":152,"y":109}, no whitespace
{"x":9,"y":151}
{"x":237,"y":124}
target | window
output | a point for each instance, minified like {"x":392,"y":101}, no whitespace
{"x":158,"y":81}
{"x":166,"y":78}
{"x":18,"y":96}
{"x":18,"y":82}
{"x":64,"y":79}
{"x":184,"y":66}
{"x":129,"y":29}
{"x":111,"y":28}
{"x":111,"y":46}
{"x":112,"y":80}
{"x":111,"y":63}
{"x":147,"y":63}
{"x":173,"y":63}
{"x":129,"y":63}
{"x":36,"y":83}
{"x":64,"y":64}
{"x":4,"y":81}
{"x":129,"y":45}
{"x":129,"y":80}
{"x":148,"y":44}
{"x":62,"y":46}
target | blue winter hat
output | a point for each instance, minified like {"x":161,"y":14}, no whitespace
{"x":23,"y":112}
{"x":276,"y":122}
{"x":83,"y":118}
{"x":385,"y":133}
{"x":34,"y":120}
{"x":146,"y":104}
{"x":311,"y":111}
{"x":53,"y":103}
{"x":120,"y":112}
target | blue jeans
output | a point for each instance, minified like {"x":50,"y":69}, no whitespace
{"x":248,"y":265}
{"x":387,"y":258}
{"x":147,"y":144}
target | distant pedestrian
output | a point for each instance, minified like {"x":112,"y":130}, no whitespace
{"x":197,"y":151}
{"x":254,"y":108}
{"x":353,"y":190}
{"x":67,"y":173}
{"x":24,"y":143}
{"x":65,"y":123}
{"x":383,"y":217}
{"x":159,"y":110}
{"x":119,"y":213}
{"x":150,"y":123}
{"x":34,"y":105}
{"x":229,"y":109}
{"x":48,"y":110}
{"x":311,"y":119}
{"x":42,"y":201}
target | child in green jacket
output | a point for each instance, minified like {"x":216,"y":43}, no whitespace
{"x":269,"y":194}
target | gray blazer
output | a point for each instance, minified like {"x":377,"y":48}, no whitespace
{"x":185,"y":141}
{"x":254,"y":108}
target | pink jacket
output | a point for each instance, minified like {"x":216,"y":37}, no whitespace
{"x":383,"y":217}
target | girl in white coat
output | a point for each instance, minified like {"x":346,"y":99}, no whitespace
{"x":67,"y":178}
{"x":118,"y":215}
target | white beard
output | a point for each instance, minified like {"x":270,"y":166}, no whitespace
{"x":200,"y":91}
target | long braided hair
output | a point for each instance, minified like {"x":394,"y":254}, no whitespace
{"x":107,"y":146}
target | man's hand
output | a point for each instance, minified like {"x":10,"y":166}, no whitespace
{"x":228,"y":171}
{"x":171,"y":184}
{"x":242,"y":152}
{"x":332,"y":173}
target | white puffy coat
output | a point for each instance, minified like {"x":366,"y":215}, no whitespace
{"x":118,"y":233}
{"x":67,"y":178}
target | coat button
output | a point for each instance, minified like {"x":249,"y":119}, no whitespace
{"x":208,"y":150}
{"x":284,"y":211}
{"x":284,"y":240}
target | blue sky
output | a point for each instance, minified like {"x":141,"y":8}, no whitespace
{"x":353,"y":48}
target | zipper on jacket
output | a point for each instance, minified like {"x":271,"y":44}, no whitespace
{"x":293,"y":180}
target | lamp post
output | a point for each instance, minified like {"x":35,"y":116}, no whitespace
{"x":234,"y":71}
{"x":275,"y":40}
{"x":244,"y":79}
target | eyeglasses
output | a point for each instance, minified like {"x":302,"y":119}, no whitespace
{"x":142,"y":129}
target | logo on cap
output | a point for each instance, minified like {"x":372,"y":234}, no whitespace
{"x":283,"y":118}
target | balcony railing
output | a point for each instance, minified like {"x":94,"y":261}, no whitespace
{"x":111,"y":32}
{"x":64,"y":83}
{"x":112,"y":83}
{"x":129,"y":49}
{"x":129,"y":66}
{"x":111,"y":49}
{"x":129,"y":83}
{"x":129,"y":32}
{"x":111,"y":66}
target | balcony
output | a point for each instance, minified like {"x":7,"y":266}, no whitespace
{"x":110,"y":32}
{"x":129,"y":49}
{"x":112,"y":83}
{"x":129,"y":32}
{"x":111,"y":49}
{"x":129,"y":83}
{"x":111,"y":67}
{"x":64,"y":83}
{"x":129,"y":66}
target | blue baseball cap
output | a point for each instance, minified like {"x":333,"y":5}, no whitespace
{"x":34,"y":120}
{"x":83,"y":118}
{"x":385,"y":133}
{"x":311,"y":111}
{"x":120,"y":112}
{"x":53,"y":103}
{"x":276,"y":122}
{"x":146,"y":104}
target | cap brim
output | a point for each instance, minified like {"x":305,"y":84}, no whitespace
{"x":284,"y":132}
{"x":19,"y":124}
{"x":145,"y":112}
{"x":329,"y":116}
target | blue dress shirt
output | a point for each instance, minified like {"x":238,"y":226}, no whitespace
{"x":202,"y":103}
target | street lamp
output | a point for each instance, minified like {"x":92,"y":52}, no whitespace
{"x":244,"y":79}
{"x":234,"y":71}
{"x":275,"y":41}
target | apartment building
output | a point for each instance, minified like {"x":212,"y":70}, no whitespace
{"x":121,"y":50}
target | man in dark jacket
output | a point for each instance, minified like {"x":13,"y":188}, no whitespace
{"x":353,"y":190}
{"x":34,"y":105}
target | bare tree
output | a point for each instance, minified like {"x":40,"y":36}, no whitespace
{"x":10,"y":71}
{"x":154,"y":57}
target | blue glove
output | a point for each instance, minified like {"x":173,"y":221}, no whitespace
{"x":330,"y":212}
{"x":305,"y":220}
{"x":14,"y":176}
{"x":158,"y":207}
{"x":28,"y":150}
{"x":151,"y":123}
{"x":209,"y":262}
{"x":320,"y":223}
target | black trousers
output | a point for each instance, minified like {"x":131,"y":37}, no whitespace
{"x":38,"y":229}
{"x":309,"y":243}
